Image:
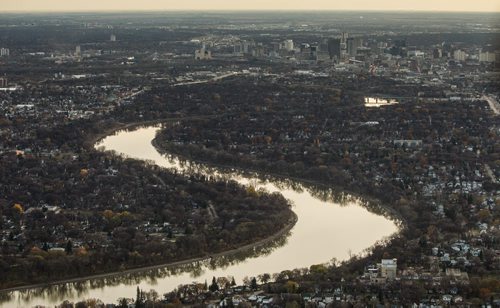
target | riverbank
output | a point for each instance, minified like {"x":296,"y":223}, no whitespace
{"x":315,"y":220}
{"x":393,"y":214}
{"x":263,"y":242}
{"x":94,"y":139}
{"x":292,"y":220}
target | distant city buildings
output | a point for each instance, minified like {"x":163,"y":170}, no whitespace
{"x":378,"y":56}
{"x":78,"y":51}
{"x":242,"y":47}
{"x":353,"y":43}
{"x":334,"y":48}
{"x":237,"y":49}
{"x":202,"y":54}
{"x":415,"y":53}
{"x":112,"y":38}
{"x":487,"y":56}
{"x":4,"y":52}
{"x":258,"y":51}
{"x":288,"y":45}
{"x":3,"y":82}
{"x":343,"y":43}
{"x":398,"y":48}
{"x":245,"y":47}
{"x":437,"y":53}
{"x":459,"y":55}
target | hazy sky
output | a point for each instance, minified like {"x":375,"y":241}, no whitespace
{"x":95,"y":5}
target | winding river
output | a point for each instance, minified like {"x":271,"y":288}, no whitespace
{"x":325,"y":229}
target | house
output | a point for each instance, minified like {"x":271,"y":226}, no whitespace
{"x":457,"y":275}
{"x":408,"y":143}
{"x":238,"y":299}
{"x":447,"y":298}
{"x":388,"y":268}
{"x":383,"y":271}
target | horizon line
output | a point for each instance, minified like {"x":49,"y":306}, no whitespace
{"x":239,"y":11}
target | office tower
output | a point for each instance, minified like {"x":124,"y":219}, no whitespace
{"x":353,"y":43}
{"x":276,"y":46}
{"x":288,"y":45}
{"x":459,"y":55}
{"x":437,"y":53}
{"x":399,"y":48}
{"x":343,"y":38}
{"x":237,"y":48}
{"x":245,"y":47}
{"x":487,"y":54}
{"x":334,"y":48}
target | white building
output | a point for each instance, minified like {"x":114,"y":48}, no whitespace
{"x":487,"y":57}
{"x":388,"y":268}
{"x":112,"y":38}
{"x":202,"y":54}
{"x":4,"y":52}
{"x":416,"y":53}
{"x":245,"y":47}
{"x":460,"y":55}
{"x":288,"y":45}
{"x":78,"y":51}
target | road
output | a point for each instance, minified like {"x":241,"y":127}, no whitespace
{"x":206,"y":81}
{"x":494,"y":105}
{"x":131,"y":95}
{"x":211,"y":212}
{"x":490,"y":173}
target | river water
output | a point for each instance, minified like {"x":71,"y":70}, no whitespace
{"x":325,"y":229}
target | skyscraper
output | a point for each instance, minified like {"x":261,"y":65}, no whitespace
{"x":353,"y":43}
{"x":343,"y":43}
{"x":237,"y":48}
{"x":460,"y":55}
{"x":399,"y":48}
{"x":343,"y":38}
{"x":334,"y":48}
{"x":245,"y":47}
{"x":288,"y":45}
{"x":487,"y":54}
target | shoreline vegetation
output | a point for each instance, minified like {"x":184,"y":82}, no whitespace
{"x":390,"y":213}
{"x":289,"y":226}
{"x":95,"y":139}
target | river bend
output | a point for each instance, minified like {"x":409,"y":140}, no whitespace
{"x":324,"y":230}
